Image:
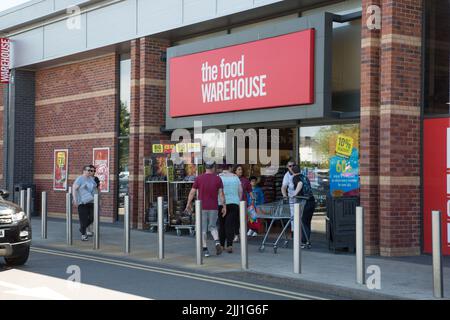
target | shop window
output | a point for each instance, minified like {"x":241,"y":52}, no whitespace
{"x":332,"y":171}
{"x":437,"y":58}
{"x":124,"y":128}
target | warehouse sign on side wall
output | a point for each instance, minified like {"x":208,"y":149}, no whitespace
{"x":5,"y":60}
{"x":273,"y":72}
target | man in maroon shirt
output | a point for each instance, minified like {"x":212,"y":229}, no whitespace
{"x":210,"y":188}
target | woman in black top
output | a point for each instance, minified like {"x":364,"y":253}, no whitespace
{"x":302,"y":188}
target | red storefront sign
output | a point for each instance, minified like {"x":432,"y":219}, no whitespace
{"x":436,"y":179}
{"x":268,"y":73}
{"x":4,"y":60}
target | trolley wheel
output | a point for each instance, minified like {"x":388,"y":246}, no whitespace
{"x":262,"y":248}
{"x":286,"y":244}
{"x":192,"y":232}
{"x":275,"y":249}
{"x":179,"y":232}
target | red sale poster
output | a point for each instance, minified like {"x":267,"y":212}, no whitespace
{"x":60,"y":170}
{"x":101,"y":163}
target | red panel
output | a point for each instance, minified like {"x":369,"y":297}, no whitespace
{"x":435,"y":170}
{"x":267,"y":73}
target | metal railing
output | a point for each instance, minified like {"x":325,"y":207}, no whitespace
{"x":360,"y":254}
{"x":438,"y":280}
{"x":243,"y":228}
{"x":198,"y":232}
{"x":44,"y":215}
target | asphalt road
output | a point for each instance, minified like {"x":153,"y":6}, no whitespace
{"x":51,"y":274}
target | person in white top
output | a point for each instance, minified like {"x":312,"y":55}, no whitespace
{"x":287,"y":188}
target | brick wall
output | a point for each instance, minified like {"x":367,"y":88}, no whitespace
{"x":390,"y":128}
{"x":76,"y":109}
{"x":370,"y":126}
{"x":148,"y":105}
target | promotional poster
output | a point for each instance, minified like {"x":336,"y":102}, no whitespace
{"x":101,"y":163}
{"x":60,"y":170}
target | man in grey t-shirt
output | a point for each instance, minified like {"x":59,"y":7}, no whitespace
{"x":84,"y":189}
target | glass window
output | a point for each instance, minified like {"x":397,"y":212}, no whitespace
{"x":318,"y":152}
{"x":124,"y":128}
{"x":437,"y":57}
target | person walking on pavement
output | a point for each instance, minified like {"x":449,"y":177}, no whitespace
{"x":233,"y":194}
{"x":302,"y":187}
{"x":246,"y":192}
{"x":84,"y":189}
{"x":209,"y":187}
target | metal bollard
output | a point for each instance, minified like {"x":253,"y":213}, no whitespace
{"x":69,"y":239}
{"x":244,"y":243}
{"x":160,"y":228}
{"x":96,"y":223}
{"x":198,"y":231}
{"x":127,"y":225}
{"x":22,"y":200}
{"x":29,"y":203}
{"x":44,"y":216}
{"x":438,"y":280}
{"x":297,"y":240}
{"x":360,"y":255}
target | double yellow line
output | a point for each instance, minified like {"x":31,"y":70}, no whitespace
{"x":183,"y":274}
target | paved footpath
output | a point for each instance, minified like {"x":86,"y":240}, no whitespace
{"x":322,"y":271}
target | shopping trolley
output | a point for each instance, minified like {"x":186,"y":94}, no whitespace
{"x":279,"y":211}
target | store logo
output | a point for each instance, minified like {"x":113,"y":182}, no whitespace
{"x":4,"y":60}
{"x":227,"y":82}
{"x":374,"y":19}
{"x":74,"y":20}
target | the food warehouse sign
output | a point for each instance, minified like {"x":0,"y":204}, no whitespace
{"x":4,"y":60}
{"x":268,"y":73}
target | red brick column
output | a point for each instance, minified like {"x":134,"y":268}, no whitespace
{"x":149,"y":106}
{"x":370,"y":126}
{"x":400,"y":127}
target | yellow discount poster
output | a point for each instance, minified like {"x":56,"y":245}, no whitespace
{"x":60,"y":169}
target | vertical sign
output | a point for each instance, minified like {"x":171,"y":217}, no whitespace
{"x":60,"y":169}
{"x":436,"y":179}
{"x":101,"y":163}
{"x":4,"y":60}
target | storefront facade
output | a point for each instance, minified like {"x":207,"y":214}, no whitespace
{"x":375,"y":71}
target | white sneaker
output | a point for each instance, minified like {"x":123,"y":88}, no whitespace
{"x":254,"y":234}
{"x":84,"y":238}
{"x":89,"y":234}
{"x":236,"y":238}
{"x":250,"y":233}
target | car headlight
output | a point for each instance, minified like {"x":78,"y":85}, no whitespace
{"x":18,"y":216}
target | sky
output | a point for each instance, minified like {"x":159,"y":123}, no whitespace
{"x":6,"y":4}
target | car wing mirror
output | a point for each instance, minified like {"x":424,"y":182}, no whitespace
{"x":4,"y":194}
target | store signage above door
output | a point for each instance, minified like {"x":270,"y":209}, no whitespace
{"x":269,"y":73}
{"x":5,"y":47}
